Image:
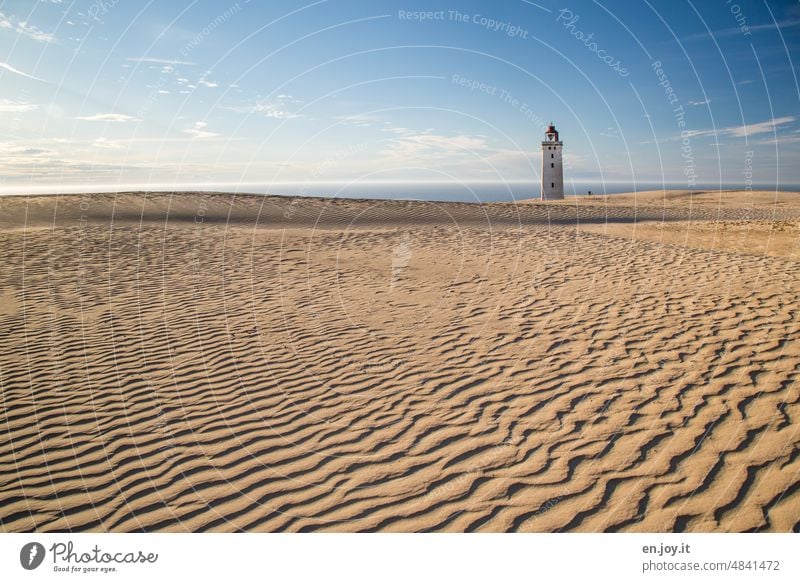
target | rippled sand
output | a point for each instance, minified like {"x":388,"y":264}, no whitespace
{"x":195,"y":362}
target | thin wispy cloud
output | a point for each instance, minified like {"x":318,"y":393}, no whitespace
{"x":361,"y":120}
{"x":737,"y":131}
{"x":158,"y":61}
{"x":10,"y":69}
{"x":109,"y":117}
{"x":106,"y":144}
{"x":768,"y":126}
{"x":611,"y":132}
{"x":790,"y":138}
{"x":735,"y":31}
{"x":199,"y":131}
{"x":277,"y":109}
{"x":450,"y":144}
{"x":11,"y":150}
{"x":24,"y":29}
{"x":8,"y":106}
{"x":426,"y":147}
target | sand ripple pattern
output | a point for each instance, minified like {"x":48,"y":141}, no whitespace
{"x":360,"y":366}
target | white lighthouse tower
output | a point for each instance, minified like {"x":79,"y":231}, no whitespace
{"x":552,"y":170}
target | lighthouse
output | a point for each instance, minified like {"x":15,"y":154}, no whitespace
{"x":552,"y":170}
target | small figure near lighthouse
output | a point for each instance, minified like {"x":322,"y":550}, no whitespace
{"x":552,"y":171}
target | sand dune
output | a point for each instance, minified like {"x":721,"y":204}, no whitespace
{"x":197,"y":362}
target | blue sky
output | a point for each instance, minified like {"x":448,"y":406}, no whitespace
{"x":119,"y":92}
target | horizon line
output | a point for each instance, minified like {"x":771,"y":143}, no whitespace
{"x":183,"y":186}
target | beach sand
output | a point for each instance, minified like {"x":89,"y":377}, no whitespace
{"x":204,"y":362}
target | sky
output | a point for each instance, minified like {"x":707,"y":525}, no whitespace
{"x":121,"y":92}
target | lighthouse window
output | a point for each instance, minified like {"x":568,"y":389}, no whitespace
{"x":551,"y":155}
{"x":552,"y":165}
{"x":552,"y":184}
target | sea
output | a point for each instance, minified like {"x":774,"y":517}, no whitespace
{"x":476,"y":192}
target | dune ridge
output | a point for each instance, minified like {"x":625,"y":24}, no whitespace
{"x":200,"y":362}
